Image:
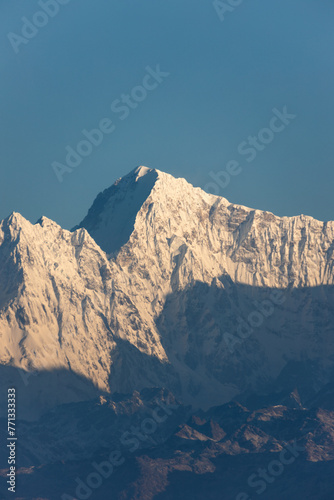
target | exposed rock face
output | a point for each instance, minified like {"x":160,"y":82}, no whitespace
{"x":229,"y":452}
{"x":164,"y":285}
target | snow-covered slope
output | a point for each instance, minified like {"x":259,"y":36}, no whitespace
{"x":62,"y":306}
{"x":159,"y":214}
{"x":155,"y":295}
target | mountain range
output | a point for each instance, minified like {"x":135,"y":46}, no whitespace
{"x":164,"y":287}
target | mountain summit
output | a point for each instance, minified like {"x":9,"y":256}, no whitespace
{"x":164,"y":285}
{"x":111,"y":218}
{"x":170,"y":209}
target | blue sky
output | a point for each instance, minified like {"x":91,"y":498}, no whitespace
{"x":225,"y":78}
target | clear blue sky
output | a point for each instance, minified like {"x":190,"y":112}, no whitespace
{"x":225,"y":79}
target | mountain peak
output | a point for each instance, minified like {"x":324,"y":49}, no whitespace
{"x":13,"y":224}
{"x":135,"y":174}
{"x":111,"y":218}
{"x":16,"y":218}
{"x":142,"y":170}
{"x":45,"y":222}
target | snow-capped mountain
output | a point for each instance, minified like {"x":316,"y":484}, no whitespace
{"x":164,"y":285}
